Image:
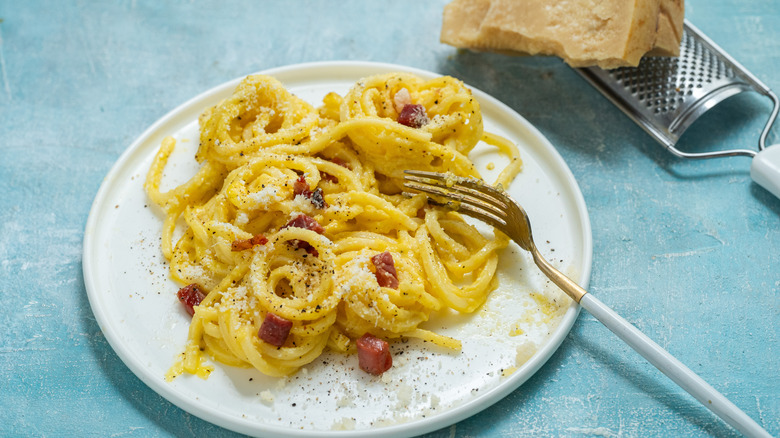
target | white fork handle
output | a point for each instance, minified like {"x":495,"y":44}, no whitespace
{"x":765,"y":169}
{"x":673,"y":368}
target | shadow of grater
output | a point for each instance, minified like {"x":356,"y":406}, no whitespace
{"x":665,"y":95}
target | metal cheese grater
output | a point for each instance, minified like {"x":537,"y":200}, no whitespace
{"x":665,"y":95}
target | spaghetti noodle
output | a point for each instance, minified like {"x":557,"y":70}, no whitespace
{"x":296,"y":229}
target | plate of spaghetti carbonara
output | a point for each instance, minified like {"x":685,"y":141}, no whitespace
{"x":254,"y":258}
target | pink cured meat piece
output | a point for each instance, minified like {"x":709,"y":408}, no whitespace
{"x":385,"y":273}
{"x":191,"y":296}
{"x":301,"y":187}
{"x":373,"y":354}
{"x":243,"y":244}
{"x":413,"y":116}
{"x":275,"y":329}
{"x":309,"y":223}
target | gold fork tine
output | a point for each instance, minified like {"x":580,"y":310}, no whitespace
{"x":464,"y":186}
{"x":468,"y":193}
{"x":478,"y":200}
{"x":471,"y":207}
{"x":472,"y":202}
{"x":458,"y":191}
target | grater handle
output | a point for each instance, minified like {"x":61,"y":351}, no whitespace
{"x":765,"y":169}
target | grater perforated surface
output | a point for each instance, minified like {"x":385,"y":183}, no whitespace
{"x":662,"y":84}
{"x":665,"y":95}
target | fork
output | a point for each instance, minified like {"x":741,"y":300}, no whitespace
{"x":493,"y":206}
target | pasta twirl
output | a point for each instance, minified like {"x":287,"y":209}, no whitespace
{"x":297,"y":210}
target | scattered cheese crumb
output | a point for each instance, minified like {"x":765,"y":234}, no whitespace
{"x":266,"y":196}
{"x":358,"y":274}
{"x":192,"y":272}
{"x":242,"y":218}
{"x":267,"y":397}
{"x":346,"y":401}
{"x":301,"y":205}
{"x":404,"y":395}
{"x":344,"y":424}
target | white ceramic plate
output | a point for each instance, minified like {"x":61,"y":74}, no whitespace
{"x":427,"y":388}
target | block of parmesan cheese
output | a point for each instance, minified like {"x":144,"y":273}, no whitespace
{"x":670,"y":28}
{"x":607,"y":33}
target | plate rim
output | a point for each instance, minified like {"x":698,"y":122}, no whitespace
{"x":415,"y":427}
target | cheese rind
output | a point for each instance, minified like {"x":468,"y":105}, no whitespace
{"x":607,"y":33}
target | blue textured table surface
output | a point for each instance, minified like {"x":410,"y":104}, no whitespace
{"x":688,"y":251}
